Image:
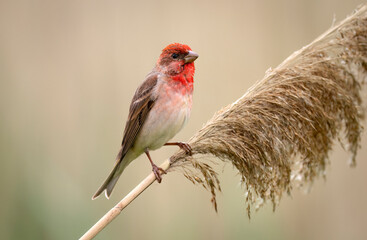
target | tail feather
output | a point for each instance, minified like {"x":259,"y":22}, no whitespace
{"x":112,"y":178}
{"x":111,"y":185}
{"x":108,"y":184}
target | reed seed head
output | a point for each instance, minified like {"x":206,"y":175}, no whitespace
{"x":282,"y":130}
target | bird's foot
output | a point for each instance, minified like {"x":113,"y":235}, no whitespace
{"x":184,"y":146}
{"x":157,"y":172}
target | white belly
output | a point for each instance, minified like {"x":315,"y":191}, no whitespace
{"x":167,"y":117}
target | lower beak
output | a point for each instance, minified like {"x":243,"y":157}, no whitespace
{"x":191,"y":56}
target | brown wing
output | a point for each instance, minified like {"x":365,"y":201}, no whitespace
{"x":140,"y":107}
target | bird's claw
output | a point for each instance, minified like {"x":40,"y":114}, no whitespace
{"x":186,"y":147}
{"x":157,"y":172}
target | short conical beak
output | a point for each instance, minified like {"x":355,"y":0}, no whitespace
{"x":191,"y":56}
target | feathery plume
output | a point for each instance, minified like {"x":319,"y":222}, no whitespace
{"x":282,"y":130}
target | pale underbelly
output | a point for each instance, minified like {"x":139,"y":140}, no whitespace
{"x":164,"y":121}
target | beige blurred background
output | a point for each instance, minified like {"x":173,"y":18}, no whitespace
{"x":68,"y":70}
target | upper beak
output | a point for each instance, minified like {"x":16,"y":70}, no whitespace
{"x":191,"y":56}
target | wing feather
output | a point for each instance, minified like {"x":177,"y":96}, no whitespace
{"x":140,"y":107}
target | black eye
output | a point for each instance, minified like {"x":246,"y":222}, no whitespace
{"x":174,"y":55}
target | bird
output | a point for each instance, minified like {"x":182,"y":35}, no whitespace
{"x":159,"y":109}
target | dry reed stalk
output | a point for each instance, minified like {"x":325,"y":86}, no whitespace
{"x":284,"y":127}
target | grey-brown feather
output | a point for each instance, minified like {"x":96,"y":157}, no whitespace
{"x":140,"y":107}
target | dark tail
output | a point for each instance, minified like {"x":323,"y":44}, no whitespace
{"x":111,"y":180}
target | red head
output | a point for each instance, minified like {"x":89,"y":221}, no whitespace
{"x":177,"y":60}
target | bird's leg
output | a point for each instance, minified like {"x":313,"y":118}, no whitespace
{"x":184,"y":146}
{"x":156,"y":170}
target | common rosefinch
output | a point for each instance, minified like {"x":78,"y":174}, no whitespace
{"x":159,"y":109}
